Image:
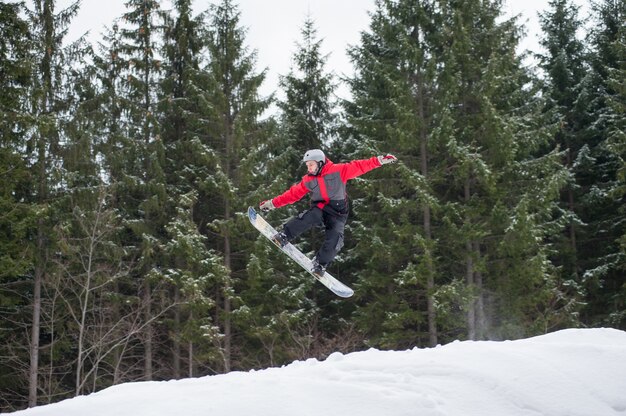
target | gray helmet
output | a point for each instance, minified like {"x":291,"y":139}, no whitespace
{"x":314,"y":154}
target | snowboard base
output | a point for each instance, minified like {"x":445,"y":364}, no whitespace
{"x":296,"y":255}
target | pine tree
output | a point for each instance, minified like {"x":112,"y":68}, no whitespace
{"x":16,"y":212}
{"x":616,"y":144}
{"x":111,"y":141}
{"x":49,"y":105}
{"x":454,"y":94}
{"x":233,"y":132}
{"x":396,"y":64}
{"x":308,"y":109}
{"x":108,"y":74}
{"x":86,"y":263}
{"x":189,"y":160}
{"x":563,"y":65}
{"x":141,"y":188}
{"x":192,"y":271}
{"x":14,"y":80}
{"x":179,"y":97}
{"x":601,"y":167}
{"x":496,"y":170}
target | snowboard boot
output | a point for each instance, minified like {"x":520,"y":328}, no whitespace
{"x":318,"y":269}
{"x":280,"y":239}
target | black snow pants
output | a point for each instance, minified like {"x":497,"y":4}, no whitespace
{"x":334,"y":225}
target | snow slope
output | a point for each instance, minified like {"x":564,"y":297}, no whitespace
{"x":576,"y":372}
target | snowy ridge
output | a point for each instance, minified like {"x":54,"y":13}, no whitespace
{"x":575,"y":372}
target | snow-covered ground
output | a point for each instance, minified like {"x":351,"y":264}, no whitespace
{"x":576,"y":372}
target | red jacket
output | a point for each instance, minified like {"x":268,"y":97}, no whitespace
{"x":329,"y":185}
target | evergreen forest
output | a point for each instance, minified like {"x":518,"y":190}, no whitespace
{"x":127,"y":166}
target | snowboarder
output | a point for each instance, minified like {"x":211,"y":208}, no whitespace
{"x":326,"y":181}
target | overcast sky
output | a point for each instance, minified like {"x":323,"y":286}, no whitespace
{"x":273,"y":27}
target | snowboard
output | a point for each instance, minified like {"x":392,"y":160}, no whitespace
{"x":296,"y":255}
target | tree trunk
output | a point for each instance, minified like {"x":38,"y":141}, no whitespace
{"x":116,"y":354}
{"x":177,"y":333}
{"x":190,"y":351}
{"x":47,"y":18}
{"x":230,"y":154}
{"x":430,"y":282}
{"x":572,"y":207}
{"x":469,"y":274}
{"x":227,"y":304}
{"x":148,"y":331}
{"x":33,"y":370}
{"x":190,"y":358}
{"x":480,"y":301}
{"x":430,"y":278}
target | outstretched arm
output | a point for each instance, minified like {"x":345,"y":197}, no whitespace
{"x":291,"y":195}
{"x":356,"y":168}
